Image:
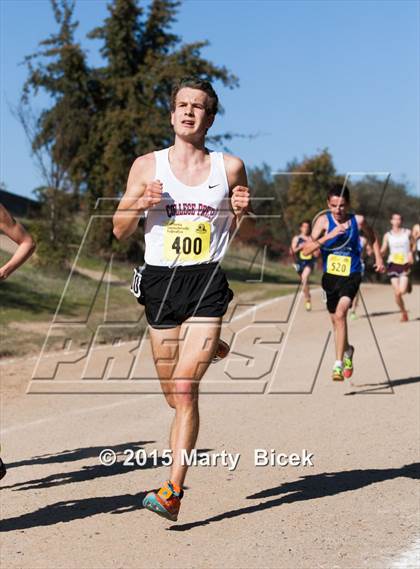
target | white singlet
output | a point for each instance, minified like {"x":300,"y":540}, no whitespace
{"x":191,"y":224}
{"x":399,"y":247}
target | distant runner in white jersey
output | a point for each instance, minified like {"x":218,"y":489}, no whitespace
{"x":400,"y":260}
{"x":191,"y":198}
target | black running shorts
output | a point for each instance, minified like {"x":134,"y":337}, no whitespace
{"x":171,"y":295}
{"x":393,"y":270}
{"x":336,"y":287}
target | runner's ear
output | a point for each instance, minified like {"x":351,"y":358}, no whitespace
{"x":210,"y":121}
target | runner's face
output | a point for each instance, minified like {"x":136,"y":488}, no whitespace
{"x":396,"y":221}
{"x":305,"y":229}
{"x":190,"y":118}
{"x":338,"y":207}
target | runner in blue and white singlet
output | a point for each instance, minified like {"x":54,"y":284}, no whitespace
{"x":337,"y":234}
{"x":341,"y":254}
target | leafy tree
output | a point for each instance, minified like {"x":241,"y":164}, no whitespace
{"x":142,"y":60}
{"x":378,"y":199}
{"x":53,"y":228}
{"x":59,"y":135}
{"x":308,"y":187}
{"x":267,"y":199}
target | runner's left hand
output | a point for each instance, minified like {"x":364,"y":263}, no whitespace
{"x":379,"y":266}
{"x":4,"y":273}
{"x":240,"y":199}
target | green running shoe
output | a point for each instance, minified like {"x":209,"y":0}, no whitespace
{"x":348,"y":362}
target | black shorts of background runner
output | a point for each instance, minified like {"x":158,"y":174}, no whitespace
{"x":171,"y":295}
{"x":300,"y":265}
{"x":336,"y":287}
{"x":394,"y":270}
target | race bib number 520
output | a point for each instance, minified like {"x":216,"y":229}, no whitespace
{"x":187,"y":241}
{"x":338,"y":265}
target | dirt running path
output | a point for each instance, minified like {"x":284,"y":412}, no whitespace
{"x":356,"y":507}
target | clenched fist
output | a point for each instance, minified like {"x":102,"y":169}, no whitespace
{"x":240,"y":199}
{"x":4,"y":273}
{"x":152,"y":195}
{"x":339,"y":229}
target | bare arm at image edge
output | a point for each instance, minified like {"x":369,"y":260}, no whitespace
{"x":17,"y":233}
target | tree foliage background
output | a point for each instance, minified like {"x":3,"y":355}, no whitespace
{"x":100,"y":118}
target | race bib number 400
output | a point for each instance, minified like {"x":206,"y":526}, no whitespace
{"x":338,"y":265}
{"x":398,"y":258}
{"x":187,"y":241}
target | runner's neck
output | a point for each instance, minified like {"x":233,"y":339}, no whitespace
{"x":346,"y":218}
{"x":186,"y":168}
{"x":188,"y":153}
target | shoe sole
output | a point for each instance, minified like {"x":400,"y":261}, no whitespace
{"x":148,"y":504}
{"x":336,"y":378}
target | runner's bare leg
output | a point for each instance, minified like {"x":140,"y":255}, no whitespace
{"x":165,"y":350}
{"x":400,"y":287}
{"x":198,"y":338}
{"x":306,"y":273}
{"x":340,"y":326}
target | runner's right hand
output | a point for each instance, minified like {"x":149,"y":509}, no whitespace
{"x":152,"y":195}
{"x":338,"y":230}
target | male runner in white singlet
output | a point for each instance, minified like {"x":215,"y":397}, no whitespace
{"x":26,"y":246}
{"x":400,"y":260}
{"x":190,"y":197}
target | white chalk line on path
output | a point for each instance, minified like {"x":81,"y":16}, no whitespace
{"x":7,"y":361}
{"x":20,"y":427}
{"x":410,"y":559}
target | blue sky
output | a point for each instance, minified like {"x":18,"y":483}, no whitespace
{"x":336,"y":74}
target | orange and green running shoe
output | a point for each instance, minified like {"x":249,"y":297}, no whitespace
{"x":166,"y":502}
{"x":337,"y":373}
